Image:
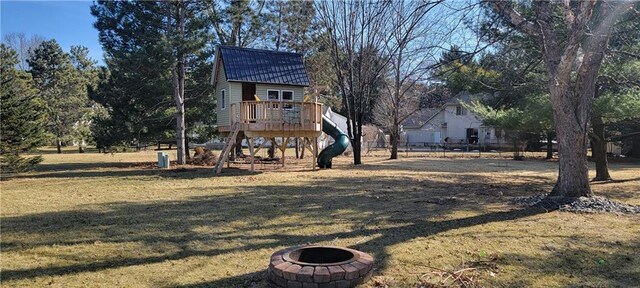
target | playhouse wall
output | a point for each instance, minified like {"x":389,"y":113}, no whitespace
{"x":222,"y":84}
{"x":298,"y":91}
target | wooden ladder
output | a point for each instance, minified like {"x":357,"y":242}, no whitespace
{"x":229,"y":143}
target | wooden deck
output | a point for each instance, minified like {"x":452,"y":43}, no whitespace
{"x":277,"y":119}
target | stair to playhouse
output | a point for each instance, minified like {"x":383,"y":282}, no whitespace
{"x":228,"y":144}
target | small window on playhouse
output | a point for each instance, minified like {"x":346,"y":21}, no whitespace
{"x":223,"y":99}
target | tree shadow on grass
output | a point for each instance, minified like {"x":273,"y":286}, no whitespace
{"x":592,"y":266}
{"x":130,"y":170}
{"x":453,"y":165}
{"x":614,"y":181}
{"x":416,"y":208}
{"x":57,"y":167}
{"x":142,"y":169}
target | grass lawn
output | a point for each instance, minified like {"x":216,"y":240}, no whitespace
{"x":85,"y":220}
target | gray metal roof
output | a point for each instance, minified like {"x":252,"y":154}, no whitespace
{"x":263,"y":66}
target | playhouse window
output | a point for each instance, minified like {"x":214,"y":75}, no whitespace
{"x":273,"y":95}
{"x":287,"y":95}
{"x":223,"y":99}
{"x":460,"y":110}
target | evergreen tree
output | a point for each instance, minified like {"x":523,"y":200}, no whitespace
{"x":88,"y":77}
{"x":60,"y":86}
{"x":152,"y":50}
{"x":290,"y":26}
{"x":237,"y":22}
{"x":23,"y":120}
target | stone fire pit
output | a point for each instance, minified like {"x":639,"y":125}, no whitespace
{"x":319,"y":267}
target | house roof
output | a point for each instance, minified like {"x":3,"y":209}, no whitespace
{"x":420,"y":118}
{"x":263,"y":66}
{"x":463,"y":96}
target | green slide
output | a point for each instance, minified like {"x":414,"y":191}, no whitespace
{"x":341,"y":143}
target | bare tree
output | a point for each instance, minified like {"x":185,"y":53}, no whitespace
{"x":413,"y":48}
{"x":357,"y":38}
{"x":22,"y":44}
{"x":574,"y":36}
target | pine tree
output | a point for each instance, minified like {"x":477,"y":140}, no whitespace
{"x":60,"y":86}
{"x":23,"y":120}
{"x":87,"y":73}
{"x":290,"y":26}
{"x":152,"y":50}
{"x":237,"y":22}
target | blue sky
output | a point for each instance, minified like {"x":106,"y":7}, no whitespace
{"x":68,"y":22}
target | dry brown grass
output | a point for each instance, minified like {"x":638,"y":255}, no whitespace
{"x":85,"y":220}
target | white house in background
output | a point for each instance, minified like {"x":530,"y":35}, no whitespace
{"x":451,"y":124}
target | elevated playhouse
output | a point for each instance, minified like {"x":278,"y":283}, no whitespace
{"x":260,"y":94}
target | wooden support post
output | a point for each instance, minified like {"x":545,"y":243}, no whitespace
{"x":315,"y":152}
{"x":285,"y":142}
{"x":309,"y":144}
{"x":251,"y":151}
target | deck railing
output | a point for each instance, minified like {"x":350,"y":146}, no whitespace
{"x":277,"y":115}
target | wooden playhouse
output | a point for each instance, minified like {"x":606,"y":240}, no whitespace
{"x":260,"y":93}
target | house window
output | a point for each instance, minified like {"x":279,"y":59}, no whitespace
{"x":223,"y":99}
{"x":273,"y":95}
{"x":460,"y":110}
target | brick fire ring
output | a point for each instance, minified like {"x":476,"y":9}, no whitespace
{"x":319,"y":267}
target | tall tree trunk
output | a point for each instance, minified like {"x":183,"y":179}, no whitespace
{"x":571,"y":134}
{"x":178,"y":86}
{"x":58,"y":145}
{"x":599,"y":149}
{"x":635,"y":147}
{"x":180,"y":132}
{"x":357,"y":153}
{"x":186,"y":148}
{"x":357,"y":143}
{"x":396,"y":106}
{"x":549,"y":145}
{"x":394,"y":142}
{"x":516,"y":149}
